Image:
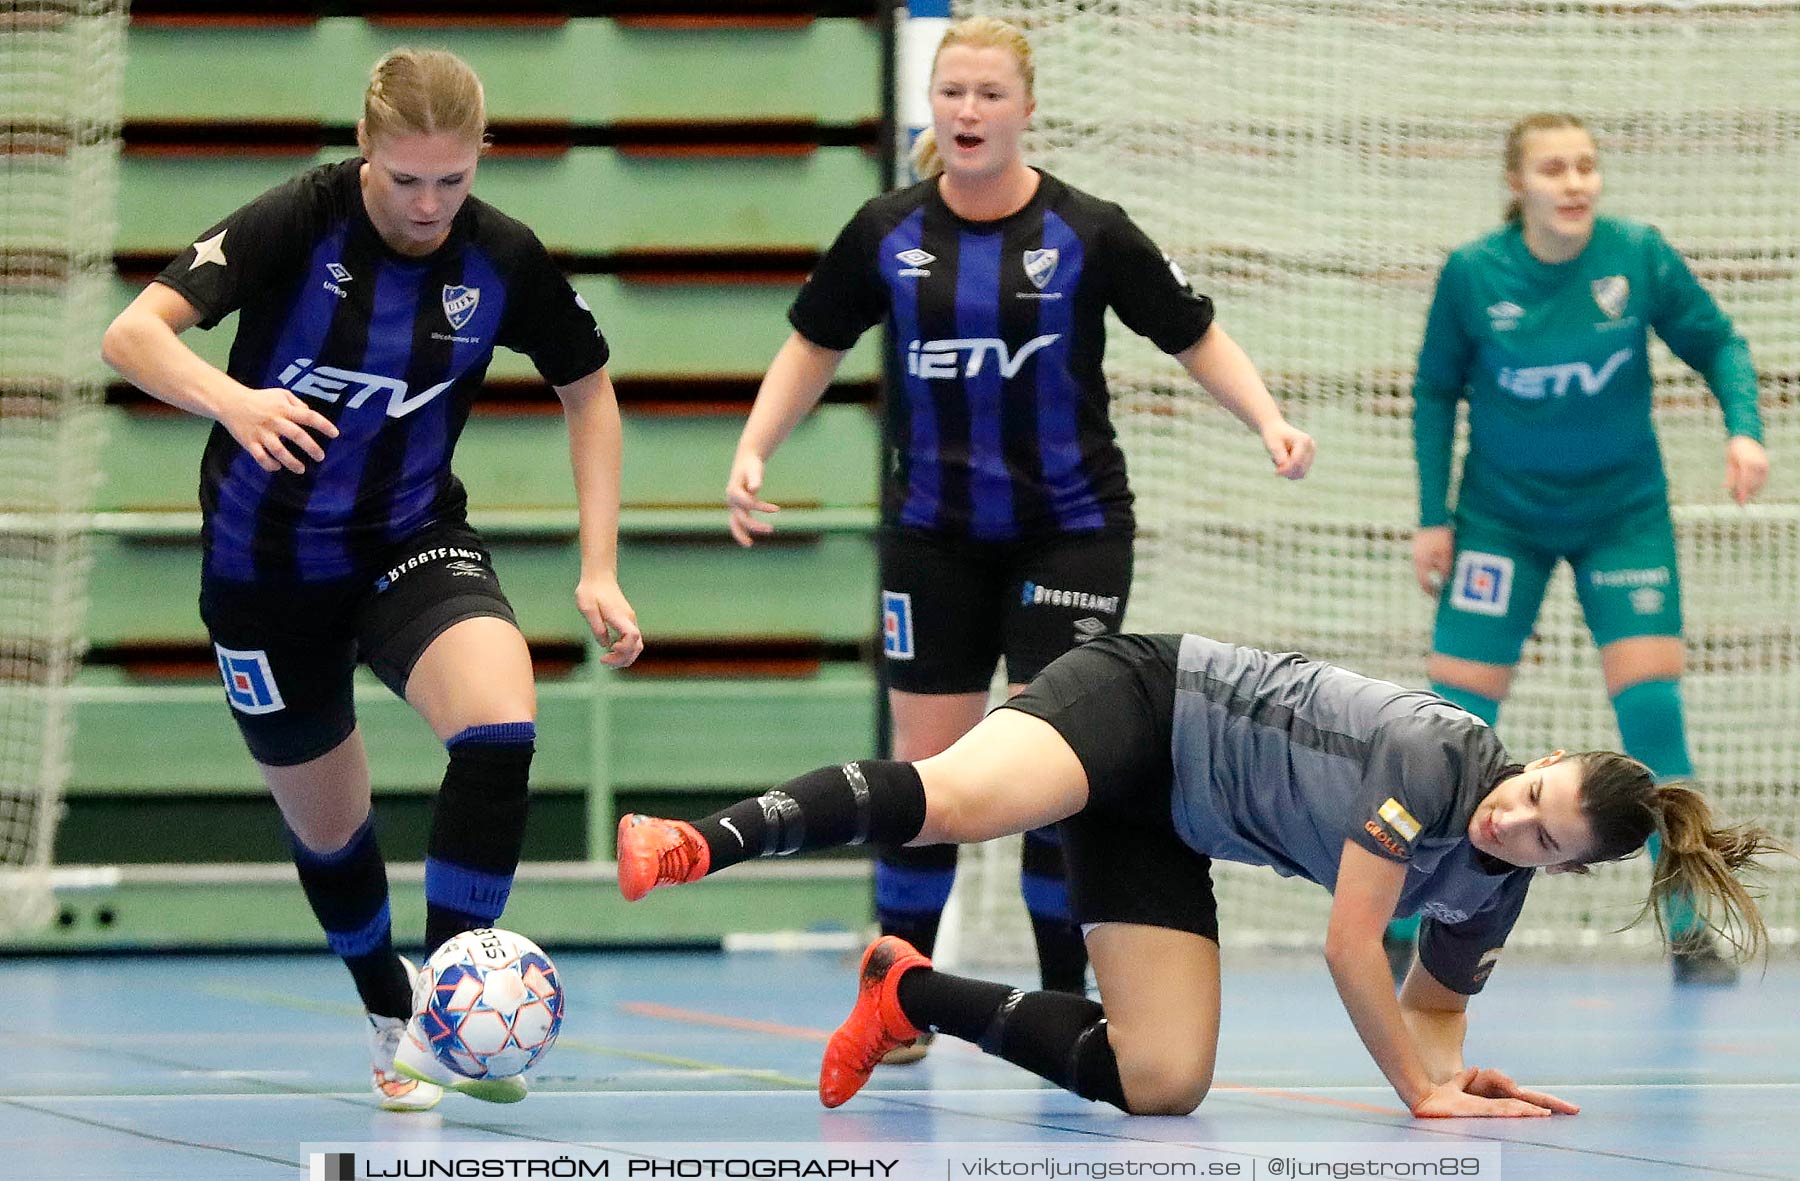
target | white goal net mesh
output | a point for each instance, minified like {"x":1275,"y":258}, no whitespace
{"x":61,"y":65}
{"x":1309,"y":163}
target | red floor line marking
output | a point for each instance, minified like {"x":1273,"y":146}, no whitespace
{"x":719,"y":1020}
{"x":669,"y":1013}
{"x":1298,"y":1098}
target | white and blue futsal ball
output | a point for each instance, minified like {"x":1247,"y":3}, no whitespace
{"x":490,"y":1003}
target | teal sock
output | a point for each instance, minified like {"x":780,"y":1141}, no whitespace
{"x":1654,"y":731}
{"x":1485,"y":708}
{"x":1654,"y":727}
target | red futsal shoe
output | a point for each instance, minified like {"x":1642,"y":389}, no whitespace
{"x":875,"y":1026}
{"x":655,"y":852}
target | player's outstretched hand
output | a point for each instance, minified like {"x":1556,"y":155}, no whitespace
{"x":1493,"y":1084}
{"x":1452,"y":1099}
{"x":1290,"y":448}
{"x":1433,"y":547}
{"x":266,"y":422}
{"x":742,"y":501}
{"x":1746,"y":467}
{"x":613,"y":621}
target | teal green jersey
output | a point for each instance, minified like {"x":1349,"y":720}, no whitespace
{"x":1554,"y":361}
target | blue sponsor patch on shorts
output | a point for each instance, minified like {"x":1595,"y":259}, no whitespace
{"x":896,"y":625}
{"x":249,"y":682}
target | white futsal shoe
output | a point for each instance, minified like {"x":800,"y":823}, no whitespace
{"x":396,"y":1091}
{"x":413,"y":1059}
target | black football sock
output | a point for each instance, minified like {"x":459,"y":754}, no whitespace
{"x":348,"y":891}
{"x":1054,"y":1035}
{"x":876,"y":801}
{"x":477,"y":829}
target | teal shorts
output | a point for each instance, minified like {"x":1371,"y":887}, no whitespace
{"x":1625,"y":577}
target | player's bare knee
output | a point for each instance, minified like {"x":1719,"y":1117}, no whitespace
{"x":1164,"y":1088}
{"x":1490,"y":680}
{"x":450,"y":725}
{"x":1157,"y":1082}
{"x":324,"y":836}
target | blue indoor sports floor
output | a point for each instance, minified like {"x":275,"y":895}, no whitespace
{"x":224,"y":1066}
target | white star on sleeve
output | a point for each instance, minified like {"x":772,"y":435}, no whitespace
{"x":210,"y":250}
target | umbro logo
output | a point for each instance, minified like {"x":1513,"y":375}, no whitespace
{"x":916,"y":261}
{"x":339,"y":274}
{"x":1505,"y":315}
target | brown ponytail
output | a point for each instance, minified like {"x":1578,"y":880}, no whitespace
{"x":1701,"y":861}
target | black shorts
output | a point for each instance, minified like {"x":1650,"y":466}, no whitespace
{"x":1113,"y":702}
{"x":287,"y":652}
{"x":951,"y":607}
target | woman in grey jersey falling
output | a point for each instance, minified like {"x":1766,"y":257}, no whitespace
{"x":1157,"y":754}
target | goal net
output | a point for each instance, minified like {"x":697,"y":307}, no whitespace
{"x":1309,"y":164}
{"x":61,"y":64}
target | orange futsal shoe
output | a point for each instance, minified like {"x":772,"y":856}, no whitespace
{"x":655,"y":852}
{"x":875,"y":1026}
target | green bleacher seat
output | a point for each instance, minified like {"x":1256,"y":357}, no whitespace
{"x":614,"y":213}
{"x":583,"y":201}
{"x":586,"y":71}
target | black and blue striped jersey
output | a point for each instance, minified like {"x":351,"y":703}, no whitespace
{"x":997,"y":423}
{"x":391,"y":348}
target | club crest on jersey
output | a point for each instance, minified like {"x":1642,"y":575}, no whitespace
{"x":1482,"y":584}
{"x":460,"y":304}
{"x":916,"y":261}
{"x":1040,"y":265}
{"x":896,"y":625}
{"x":1611,"y":294}
{"x":249,"y":683}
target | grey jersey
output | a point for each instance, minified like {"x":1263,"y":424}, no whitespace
{"x":1279,"y":760}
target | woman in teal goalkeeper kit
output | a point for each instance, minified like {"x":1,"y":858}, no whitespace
{"x":1544,"y":326}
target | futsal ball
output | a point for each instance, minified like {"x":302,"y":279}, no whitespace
{"x":490,"y":1003}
